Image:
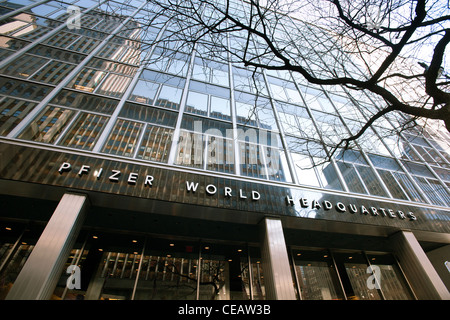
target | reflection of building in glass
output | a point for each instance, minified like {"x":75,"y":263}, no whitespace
{"x":136,"y":121}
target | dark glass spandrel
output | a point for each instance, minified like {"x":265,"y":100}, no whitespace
{"x":85,"y":102}
{"x":23,"y":90}
{"x":24,"y":66}
{"x":148,"y":114}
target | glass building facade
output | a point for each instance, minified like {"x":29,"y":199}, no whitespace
{"x":190,"y":171}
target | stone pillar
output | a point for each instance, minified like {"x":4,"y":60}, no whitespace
{"x":278,"y":278}
{"x":39,"y":276}
{"x":424,"y":280}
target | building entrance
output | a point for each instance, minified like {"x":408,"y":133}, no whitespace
{"x":352,"y":275}
{"x":126,"y":267}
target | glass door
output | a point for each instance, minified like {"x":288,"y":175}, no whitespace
{"x":316,"y":276}
{"x":323,"y":274}
{"x":130,"y":267}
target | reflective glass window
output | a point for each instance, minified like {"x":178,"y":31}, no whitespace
{"x":316,"y":276}
{"x":389,"y":276}
{"x":220,"y":108}
{"x":371,"y":181}
{"x":11,"y":43}
{"x":276,"y":164}
{"x":87,"y":79}
{"x":53,"y":73}
{"x":169,"y":97}
{"x":123,"y":138}
{"x":24,"y":66}
{"x":84,"y":101}
{"x":48,"y":125}
{"x":197,"y":103}
{"x":148,"y":114}
{"x":62,"y":39}
{"x":26,"y":26}
{"x":156,"y":143}
{"x":190,"y":149}
{"x":57,"y":54}
{"x":114,"y":85}
{"x":352,"y":267}
{"x":12,"y":111}
{"x":22,"y":89}
{"x":327,"y":174}
{"x":408,"y":186}
{"x":351,"y":178}
{"x":85,"y":131}
{"x":305,"y":170}
{"x":393,"y":185}
{"x":251,"y":160}
{"x":219,"y":154}
{"x":144,"y":92}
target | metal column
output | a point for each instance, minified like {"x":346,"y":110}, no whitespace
{"x":277,"y":271}
{"x":425,"y":281}
{"x":40,"y":274}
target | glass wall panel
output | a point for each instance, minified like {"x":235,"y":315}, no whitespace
{"x":393,"y":185}
{"x":276,"y":164}
{"x":316,"y":275}
{"x":327,"y":174}
{"x":255,"y":111}
{"x":123,"y":138}
{"x":57,"y":54}
{"x":17,"y":241}
{"x":12,"y":111}
{"x":144,"y":113}
{"x":114,"y":85}
{"x":351,"y":178}
{"x":85,"y":131}
{"x":251,"y":160}
{"x":219,"y":154}
{"x":53,"y":73}
{"x":156,"y":143}
{"x":197,"y":103}
{"x":62,"y":39}
{"x":169,"y":97}
{"x":22,"y":89}
{"x":305,"y":170}
{"x":220,"y":108}
{"x":87,"y":80}
{"x":389,"y":276}
{"x":371,"y":181}
{"x":352,"y":267}
{"x":144,"y":92}
{"x":24,"y":66}
{"x":87,"y":102}
{"x":190,"y":149}
{"x":408,"y":186}
{"x":126,"y":267}
{"x":48,"y":125}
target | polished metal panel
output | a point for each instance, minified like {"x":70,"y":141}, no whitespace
{"x":425,"y":281}
{"x":277,"y":272}
{"x":144,"y":185}
{"x":40,"y":274}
